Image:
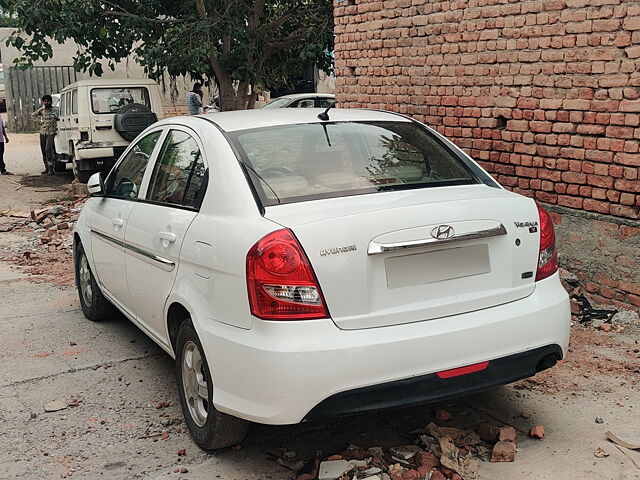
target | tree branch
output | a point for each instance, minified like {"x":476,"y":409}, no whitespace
{"x":124,"y":13}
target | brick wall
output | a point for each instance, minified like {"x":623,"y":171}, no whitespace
{"x":545,"y":94}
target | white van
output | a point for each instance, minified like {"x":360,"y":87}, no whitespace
{"x":98,"y":118}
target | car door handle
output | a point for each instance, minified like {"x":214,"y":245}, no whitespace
{"x":117,"y":222}
{"x":168,"y":236}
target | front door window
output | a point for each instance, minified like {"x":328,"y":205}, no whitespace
{"x":126,"y":179}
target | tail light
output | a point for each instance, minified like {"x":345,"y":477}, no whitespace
{"x":281,"y":282}
{"x":548,"y":256}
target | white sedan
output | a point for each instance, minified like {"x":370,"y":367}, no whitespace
{"x":311,"y":264}
{"x":302,"y":100}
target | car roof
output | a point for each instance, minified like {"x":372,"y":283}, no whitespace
{"x":110,"y":82}
{"x":295,"y":96}
{"x":247,"y":119}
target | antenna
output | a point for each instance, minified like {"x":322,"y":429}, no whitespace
{"x":324,"y":116}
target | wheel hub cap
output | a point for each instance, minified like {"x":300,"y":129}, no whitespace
{"x":194,"y":384}
{"x":85,"y":281}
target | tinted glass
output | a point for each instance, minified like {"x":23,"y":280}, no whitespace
{"x":304,"y":162}
{"x":179,"y":172}
{"x":325,"y":102}
{"x":74,"y":101}
{"x":126,"y":179}
{"x":110,"y":100}
{"x":303,"y":103}
{"x":277,"y":103}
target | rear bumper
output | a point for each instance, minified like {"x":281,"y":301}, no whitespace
{"x":429,"y":388}
{"x":284,"y":372}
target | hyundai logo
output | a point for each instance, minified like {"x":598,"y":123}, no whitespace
{"x":442,"y":232}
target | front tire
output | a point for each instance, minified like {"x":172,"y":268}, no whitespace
{"x":94,"y":304}
{"x":209,"y":428}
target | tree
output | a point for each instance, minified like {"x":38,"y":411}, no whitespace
{"x":238,"y":44}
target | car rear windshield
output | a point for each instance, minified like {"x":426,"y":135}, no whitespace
{"x":295,"y":163}
{"x":110,"y":100}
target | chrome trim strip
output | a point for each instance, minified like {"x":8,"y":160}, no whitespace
{"x":375,"y":248}
{"x":165,"y":263}
{"x":106,"y":237}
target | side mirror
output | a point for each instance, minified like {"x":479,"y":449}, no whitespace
{"x":95,"y":185}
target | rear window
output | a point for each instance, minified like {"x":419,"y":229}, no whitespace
{"x":110,"y":100}
{"x":296,"y":163}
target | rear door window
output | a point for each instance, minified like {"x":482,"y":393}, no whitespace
{"x":294,"y":163}
{"x":179,"y":173}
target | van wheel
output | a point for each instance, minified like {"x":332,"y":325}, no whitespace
{"x":94,"y":304}
{"x":209,"y":428}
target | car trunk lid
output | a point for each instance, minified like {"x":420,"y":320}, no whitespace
{"x":400,"y":257}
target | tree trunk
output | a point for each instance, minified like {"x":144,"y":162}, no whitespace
{"x":252,"y":98}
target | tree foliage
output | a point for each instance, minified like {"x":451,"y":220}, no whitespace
{"x":239,"y":44}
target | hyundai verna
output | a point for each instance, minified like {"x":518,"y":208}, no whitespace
{"x":307,"y":264}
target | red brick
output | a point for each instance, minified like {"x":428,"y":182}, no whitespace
{"x":572,"y":202}
{"x":631,"y":159}
{"x":596,"y":205}
{"x":503,"y":452}
{"x":627,"y":185}
{"x":577,"y":104}
{"x":537,"y":432}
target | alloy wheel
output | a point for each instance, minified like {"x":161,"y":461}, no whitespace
{"x":86,"y":290}
{"x":194,"y":384}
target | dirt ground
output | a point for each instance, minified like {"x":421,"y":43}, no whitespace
{"x":122,"y":418}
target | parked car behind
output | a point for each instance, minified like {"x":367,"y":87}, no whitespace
{"x":300,"y":269}
{"x":99,"y":118}
{"x":303,"y":100}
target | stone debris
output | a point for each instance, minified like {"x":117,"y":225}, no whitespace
{"x":405,"y":452}
{"x":537,"y":432}
{"x":438,"y":453}
{"x":334,"y":469}
{"x":600,"y":453}
{"x":46,"y":251}
{"x":585,"y":311}
{"x":443,"y":415}
{"x":503,"y":452}
{"x":599,"y":420}
{"x":55,"y":405}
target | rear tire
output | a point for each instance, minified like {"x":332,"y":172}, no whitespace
{"x":94,"y":304}
{"x":210,"y":429}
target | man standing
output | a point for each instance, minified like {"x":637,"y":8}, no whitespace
{"x":3,"y":139}
{"x":48,"y":128}
{"x":194,"y":99}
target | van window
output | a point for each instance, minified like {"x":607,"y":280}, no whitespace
{"x":61,"y":104}
{"x":67,"y":103}
{"x":74,"y":101}
{"x":110,"y":100}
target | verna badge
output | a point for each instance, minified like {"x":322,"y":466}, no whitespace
{"x":442,"y":232}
